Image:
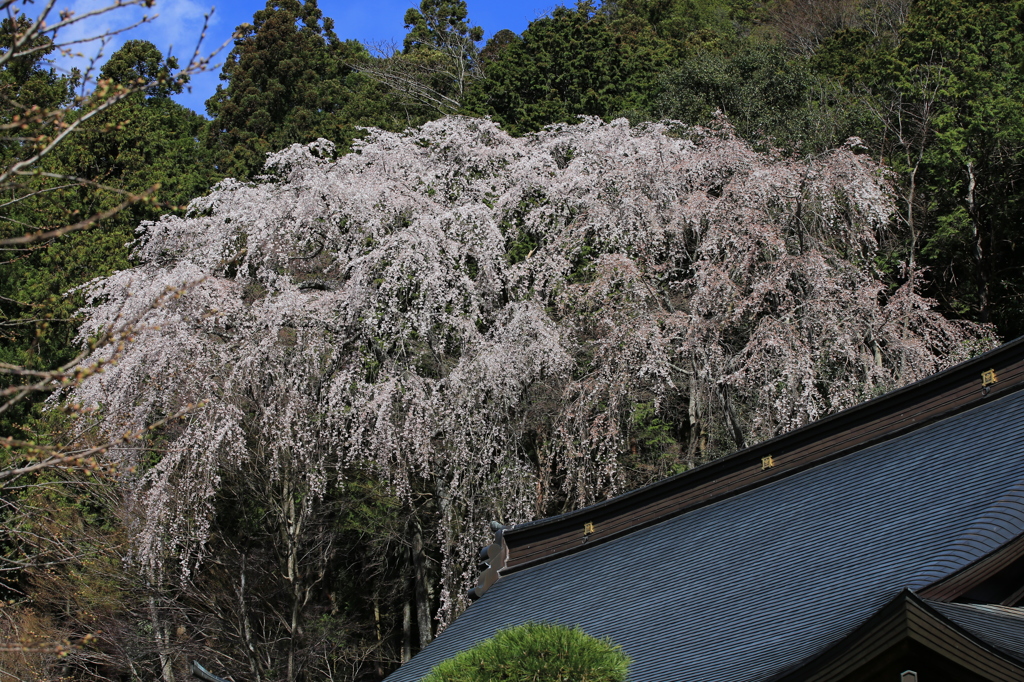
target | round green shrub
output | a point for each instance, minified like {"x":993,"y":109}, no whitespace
{"x":536,"y":652}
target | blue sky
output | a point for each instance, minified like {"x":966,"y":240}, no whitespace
{"x":179,"y":22}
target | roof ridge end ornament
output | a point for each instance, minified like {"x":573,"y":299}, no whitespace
{"x":490,"y":561}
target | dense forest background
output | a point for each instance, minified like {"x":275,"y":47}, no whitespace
{"x":931,"y":90}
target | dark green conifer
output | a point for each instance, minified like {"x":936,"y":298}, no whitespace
{"x":573,"y":62}
{"x":288,"y":79}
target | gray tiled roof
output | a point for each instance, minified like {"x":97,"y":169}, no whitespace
{"x":1000,"y":523}
{"x":1000,"y":626}
{"x":746,"y":587}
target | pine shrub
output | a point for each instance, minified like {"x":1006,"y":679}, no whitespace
{"x":536,"y":652}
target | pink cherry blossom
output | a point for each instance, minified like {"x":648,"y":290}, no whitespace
{"x":474,"y":316}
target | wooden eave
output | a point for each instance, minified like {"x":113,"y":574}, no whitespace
{"x":939,"y":396}
{"x":907,"y":620}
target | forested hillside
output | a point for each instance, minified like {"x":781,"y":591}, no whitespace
{"x":270,"y":374}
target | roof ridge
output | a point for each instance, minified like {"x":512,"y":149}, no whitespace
{"x":1011,"y":348}
{"x":999,"y":609}
{"x":968,"y":385}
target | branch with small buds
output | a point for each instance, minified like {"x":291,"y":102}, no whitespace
{"x":87,"y":457}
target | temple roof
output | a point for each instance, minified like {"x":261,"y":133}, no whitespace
{"x":1002,"y":627}
{"x":749,"y":582}
{"x":938,"y":641}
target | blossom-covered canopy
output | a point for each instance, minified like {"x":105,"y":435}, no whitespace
{"x":488,"y":320}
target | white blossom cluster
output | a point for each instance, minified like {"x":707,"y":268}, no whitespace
{"x":422,"y":307}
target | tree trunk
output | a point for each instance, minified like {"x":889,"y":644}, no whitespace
{"x":160,"y":638}
{"x":695,"y":446}
{"x":406,"y":631}
{"x":979,"y":235}
{"x":292,"y":526}
{"x":419,"y":567}
{"x":250,"y":650}
{"x":731,"y":420}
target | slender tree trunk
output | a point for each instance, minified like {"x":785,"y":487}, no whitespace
{"x":876,"y":350}
{"x":912,"y":263}
{"x":292,"y":529}
{"x":978,"y":234}
{"x":160,"y":638}
{"x":543,"y":480}
{"x":420,"y":578}
{"x":731,"y":420}
{"x":250,"y":649}
{"x":911,"y":213}
{"x":406,"y":631}
{"x":694,"y":448}
{"x":798,"y":218}
{"x":380,"y":635}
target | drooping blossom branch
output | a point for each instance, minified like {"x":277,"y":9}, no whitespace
{"x":480,"y":319}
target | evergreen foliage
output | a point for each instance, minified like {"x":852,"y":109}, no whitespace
{"x":29,"y":86}
{"x":438,"y":23}
{"x":28,"y":83}
{"x":946,"y":91}
{"x":139,"y":62}
{"x":571,"y":63}
{"x":768,"y":94}
{"x":144,"y":142}
{"x":288,"y":79}
{"x":689,"y":24}
{"x":496,"y":44}
{"x":536,"y":652}
{"x":968,"y":58}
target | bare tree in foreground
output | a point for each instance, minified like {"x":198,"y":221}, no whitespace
{"x":29,"y":135}
{"x":35,"y":471}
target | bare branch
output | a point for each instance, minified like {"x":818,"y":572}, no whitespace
{"x":80,"y":225}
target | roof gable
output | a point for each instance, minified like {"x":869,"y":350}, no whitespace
{"x":910,"y":632}
{"x":1000,"y":627}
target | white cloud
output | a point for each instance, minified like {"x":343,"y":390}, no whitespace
{"x":171,"y":25}
{"x":178,"y":24}
{"x":83,"y":39}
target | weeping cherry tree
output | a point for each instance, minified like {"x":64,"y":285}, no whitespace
{"x":506,"y":327}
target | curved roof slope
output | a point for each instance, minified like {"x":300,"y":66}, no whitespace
{"x":749,"y":586}
{"x":1000,"y":626}
{"x":998,"y":525}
